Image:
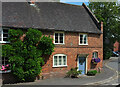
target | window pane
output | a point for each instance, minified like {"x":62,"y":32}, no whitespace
{"x":5,"y":34}
{"x":64,"y":60}
{"x":5,"y":30}
{"x":2,"y":60}
{"x":61,"y":37}
{"x":5,"y":39}
{"x":60,"y":60}
{"x":81,"y":39}
{"x":93,"y":55}
{"x":96,"y":54}
{"x":56,"y":37}
{"x":55,"y":60}
{"x":85,"y":39}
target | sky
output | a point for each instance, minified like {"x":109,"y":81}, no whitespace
{"x":77,"y":2}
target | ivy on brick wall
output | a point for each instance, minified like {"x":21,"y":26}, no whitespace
{"x":25,"y":56}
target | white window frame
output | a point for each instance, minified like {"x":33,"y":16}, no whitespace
{"x":61,"y":60}
{"x":58,"y":37}
{"x":94,"y":54}
{"x":4,"y":60}
{"x":2,"y":36}
{"x":83,"y":39}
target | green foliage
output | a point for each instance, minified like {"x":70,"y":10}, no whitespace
{"x":46,"y":45}
{"x":109,"y":14}
{"x":7,"y":50}
{"x":32,"y":37}
{"x":14,"y":34}
{"x":107,"y":53}
{"x":92,"y":72}
{"x":25,"y":56}
{"x":73,"y":73}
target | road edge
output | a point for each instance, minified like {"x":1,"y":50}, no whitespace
{"x":115,"y":76}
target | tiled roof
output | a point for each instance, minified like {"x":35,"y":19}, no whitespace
{"x":48,"y":15}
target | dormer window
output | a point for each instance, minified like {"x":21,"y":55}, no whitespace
{"x":4,"y":35}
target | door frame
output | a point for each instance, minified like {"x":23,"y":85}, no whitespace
{"x":85,"y":63}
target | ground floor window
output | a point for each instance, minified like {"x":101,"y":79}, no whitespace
{"x":59,"y":60}
{"x":95,"y":55}
{"x":4,"y":66}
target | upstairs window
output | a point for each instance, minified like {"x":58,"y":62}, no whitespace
{"x":4,"y":35}
{"x":59,"y":60}
{"x":58,"y":38}
{"x":95,"y":55}
{"x":83,"y":39}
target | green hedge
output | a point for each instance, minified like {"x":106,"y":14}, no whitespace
{"x":92,"y":72}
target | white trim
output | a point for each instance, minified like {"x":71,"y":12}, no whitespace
{"x":2,"y":36}
{"x":83,"y":39}
{"x":4,"y":42}
{"x":61,"y":60}
{"x":5,"y":71}
{"x":86,"y":66}
{"x":58,"y":37}
{"x":60,"y":66}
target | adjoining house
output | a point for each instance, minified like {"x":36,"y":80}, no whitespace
{"x":77,"y":34}
{"x":116,"y":46}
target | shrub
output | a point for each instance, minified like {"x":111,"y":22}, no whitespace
{"x":107,"y":53}
{"x":73,"y":73}
{"x":25,"y":57}
{"x":46,"y":45}
{"x":92,"y":72}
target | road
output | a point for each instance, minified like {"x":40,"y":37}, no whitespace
{"x":114,"y":64}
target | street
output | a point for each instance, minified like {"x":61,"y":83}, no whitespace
{"x":114,"y":64}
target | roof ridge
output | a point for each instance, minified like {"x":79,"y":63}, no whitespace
{"x":95,"y":20}
{"x":90,"y":12}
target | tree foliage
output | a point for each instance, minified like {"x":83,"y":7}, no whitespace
{"x":109,"y":14}
{"x":25,"y":56}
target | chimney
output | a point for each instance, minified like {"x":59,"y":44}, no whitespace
{"x":32,"y":2}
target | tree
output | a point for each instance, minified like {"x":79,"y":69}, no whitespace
{"x":108,"y":13}
{"x":25,"y":56}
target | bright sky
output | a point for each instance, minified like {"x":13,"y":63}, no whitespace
{"x":77,"y":2}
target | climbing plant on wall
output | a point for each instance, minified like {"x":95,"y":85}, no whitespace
{"x":25,"y":56}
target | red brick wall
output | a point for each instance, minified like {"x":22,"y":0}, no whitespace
{"x":71,"y":48}
{"x":116,"y":46}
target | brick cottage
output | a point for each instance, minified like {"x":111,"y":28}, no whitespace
{"x":117,"y":46}
{"x":77,"y":34}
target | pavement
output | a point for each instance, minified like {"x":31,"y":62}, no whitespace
{"x":109,"y":73}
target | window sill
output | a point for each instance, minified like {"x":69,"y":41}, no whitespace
{"x":59,"y":43}
{"x":60,"y":66}
{"x":4,"y":42}
{"x":83,"y":44}
{"x":5,"y":71}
